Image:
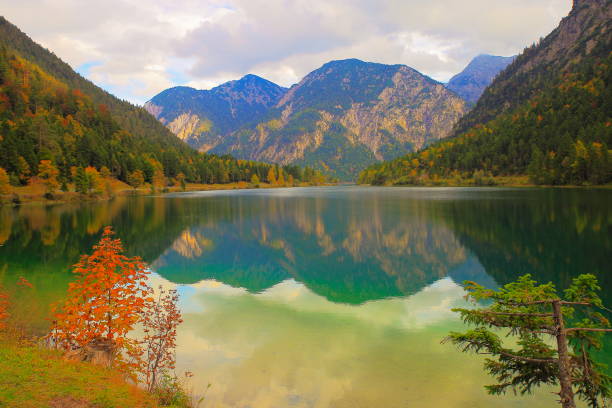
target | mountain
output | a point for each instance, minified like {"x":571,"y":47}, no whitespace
{"x":480,"y":72}
{"x":48,"y":111}
{"x":203,"y":117}
{"x":339,"y":118}
{"x":547,"y":115}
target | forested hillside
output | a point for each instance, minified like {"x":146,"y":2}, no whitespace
{"x":549,"y":115}
{"x":49,"y":112}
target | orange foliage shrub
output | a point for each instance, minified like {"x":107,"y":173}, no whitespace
{"x":105,"y":302}
{"x":108,"y":299}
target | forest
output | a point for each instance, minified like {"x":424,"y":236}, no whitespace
{"x":43,"y":119}
{"x":559,"y":134}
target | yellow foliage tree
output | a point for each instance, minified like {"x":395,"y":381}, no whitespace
{"x":93,"y":179}
{"x":159,"y":180}
{"x":48,"y":173}
{"x":271,"y":176}
{"x":281,"y":178}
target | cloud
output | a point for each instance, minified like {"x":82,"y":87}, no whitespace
{"x":141,"y":48}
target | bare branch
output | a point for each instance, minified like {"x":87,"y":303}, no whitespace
{"x":587,"y":329}
{"x":518,"y":314}
{"x":535,"y":302}
{"x":544,"y":331}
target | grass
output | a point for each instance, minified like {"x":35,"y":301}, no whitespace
{"x":31,"y":377}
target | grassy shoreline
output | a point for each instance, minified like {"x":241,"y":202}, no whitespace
{"x":501,"y":181}
{"x":35,"y":192}
{"x":31,"y":376}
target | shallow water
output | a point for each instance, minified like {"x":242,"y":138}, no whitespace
{"x":325,"y":297}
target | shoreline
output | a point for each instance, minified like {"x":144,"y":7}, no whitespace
{"x":34,"y":194}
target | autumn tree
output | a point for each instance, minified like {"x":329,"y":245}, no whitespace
{"x":136,"y":179}
{"x":255,"y":179}
{"x":547,"y":350}
{"x":105,"y":172}
{"x":48,"y":173}
{"x":281,"y":178}
{"x":271,"y":176}
{"x":109,"y":297}
{"x":94,"y":183}
{"x":5,"y":186}
{"x":104,"y":303}
{"x":160,"y":322}
{"x":159,"y":180}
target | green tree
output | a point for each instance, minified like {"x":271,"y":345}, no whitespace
{"x":81,"y":182}
{"x":181,"y":181}
{"x":534,"y":314}
{"x":23,"y":170}
{"x":536,"y":165}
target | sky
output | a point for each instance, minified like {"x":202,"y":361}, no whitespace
{"x":136,"y":49}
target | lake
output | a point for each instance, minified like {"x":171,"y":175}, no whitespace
{"x":325,"y":297}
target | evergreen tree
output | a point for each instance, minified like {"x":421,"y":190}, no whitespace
{"x":547,"y":350}
{"x":81,"y":182}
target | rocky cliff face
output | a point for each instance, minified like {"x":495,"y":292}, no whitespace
{"x":480,"y":72}
{"x":203,"y":117}
{"x":339,"y":118}
{"x":348,"y":114}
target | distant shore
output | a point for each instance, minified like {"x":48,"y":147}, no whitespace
{"x":500,"y":181}
{"x":35,"y":192}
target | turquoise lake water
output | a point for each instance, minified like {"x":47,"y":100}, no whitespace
{"x":331,"y":296}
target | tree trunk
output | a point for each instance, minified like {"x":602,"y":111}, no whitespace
{"x":565,"y":379}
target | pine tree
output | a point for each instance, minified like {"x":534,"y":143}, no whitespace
{"x":547,"y":351}
{"x":81,"y":182}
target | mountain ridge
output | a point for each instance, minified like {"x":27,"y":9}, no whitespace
{"x":477,"y":75}
{"x":202,"y":117}
{"x":338,"y":118}
{"x":548,"y":116}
